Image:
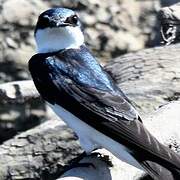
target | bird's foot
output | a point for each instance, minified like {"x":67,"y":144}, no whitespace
{"x":102,"y":157}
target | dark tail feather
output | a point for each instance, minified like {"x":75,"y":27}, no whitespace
{"x":158,"y":172}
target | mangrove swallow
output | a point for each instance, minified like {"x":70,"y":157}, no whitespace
{"x":83,"y":94}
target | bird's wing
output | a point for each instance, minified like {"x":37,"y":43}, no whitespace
{"x":107,"y":111}
{"x":108,"y":104}
{"x":112,"y":115}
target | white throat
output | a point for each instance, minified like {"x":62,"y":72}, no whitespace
{"x":55,"y":39}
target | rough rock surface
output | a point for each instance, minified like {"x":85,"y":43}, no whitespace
{"x":16,"y":36}
{"x":42,"y":149}
{"x":16,"y":47}
{"x":149,"y":77}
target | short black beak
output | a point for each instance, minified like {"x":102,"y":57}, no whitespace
{"x":62,"y":24}
{"x":58,"y":23}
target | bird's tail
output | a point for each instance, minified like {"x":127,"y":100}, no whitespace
{"x":158,"y":172}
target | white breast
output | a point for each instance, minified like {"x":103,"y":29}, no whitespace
{"x":91,"y":139}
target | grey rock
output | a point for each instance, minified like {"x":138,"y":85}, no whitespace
{"x":21,"y":12}
{"x":17,"y":23}
{"x":11,"y":43}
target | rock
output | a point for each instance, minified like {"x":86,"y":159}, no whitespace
{"x":11,"y":43}
{"x":18,"y":21}
{"x":22,"y":12}
{"x":17,"y":45}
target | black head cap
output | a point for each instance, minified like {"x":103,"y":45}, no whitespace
{"x":57,"y":17}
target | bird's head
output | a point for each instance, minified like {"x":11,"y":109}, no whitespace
{"x":58,"y":28}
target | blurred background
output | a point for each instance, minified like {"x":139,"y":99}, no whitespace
{"x":112,"y":28}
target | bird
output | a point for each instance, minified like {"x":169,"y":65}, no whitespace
{"x":80,"y":91}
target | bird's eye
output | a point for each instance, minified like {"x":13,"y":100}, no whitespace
{"x":72,"y":20}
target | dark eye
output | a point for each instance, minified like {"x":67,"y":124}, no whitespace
{"x":72,"y":20}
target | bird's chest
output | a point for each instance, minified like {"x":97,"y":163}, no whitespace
{"x":85,"y":133}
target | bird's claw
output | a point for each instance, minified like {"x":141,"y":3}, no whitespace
{"x":102,"y":157}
